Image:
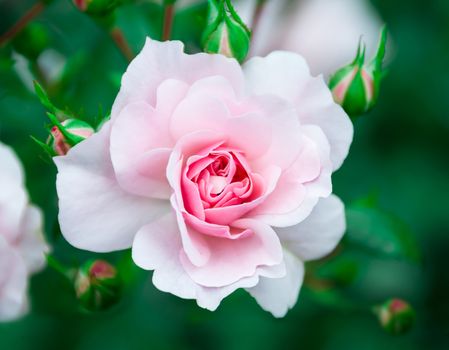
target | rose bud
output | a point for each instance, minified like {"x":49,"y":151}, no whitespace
{"x":31,"y":41}
{"x":67,"y":134}
{"x":97,"y":285}
{"x":97,"y":7}
{"x":226,"y":34}
{"x":356,"y":86}
{"x":395,"y":316}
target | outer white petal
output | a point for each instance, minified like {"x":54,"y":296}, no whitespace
{"x":287,"y":75}
{"x":95,"y":213}
{"x":159,"y":61}
{"x":13,"y":197}
{"x":32,"y":245}
{"x":278,"y":295}
{"x":10,"y":165}
{"x":320,"y":109}
{"x":319,"y":234}
{"x":13,"y":283}
{"x":157,"y":247}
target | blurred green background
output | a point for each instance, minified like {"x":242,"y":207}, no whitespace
{"x":400,"y":153}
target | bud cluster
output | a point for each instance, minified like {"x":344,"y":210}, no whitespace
{"x":97,"y":285}
{"x":356,"y":86}
{"x":226,"y":33}
{"x":97,"y":7}
{"x":63,"y":134}
{"x":396,"y":316}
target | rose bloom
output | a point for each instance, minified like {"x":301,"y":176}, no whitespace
{"x":217,"y":176}
{"x":22,"y":246}
{"x":325,"y":32}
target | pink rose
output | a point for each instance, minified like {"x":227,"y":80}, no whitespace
{"x":218,"y":177}
{"x":21,"y":242}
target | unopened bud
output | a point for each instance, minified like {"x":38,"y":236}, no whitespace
{"x":97,"y":7}
{"x":396,"y":316}
{"x":226,"y":34}
{"x":67,"y":134}
{"x":356,"y":86}
{"x":97,"y":285}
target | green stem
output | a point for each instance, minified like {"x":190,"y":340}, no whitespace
{"x":121,"y":42}
{"x":258,"y":10}
{"x":169,"y":12}
{"x":58,"y":267}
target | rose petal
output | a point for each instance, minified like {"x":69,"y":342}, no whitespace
{"x":321,"y":110}
{"x":301,"y":185}
{"x":13,"y":198}
{"x":232,"y":260}
{"x":13,"y":283}
{"x":194,"y":244}
{"x":93,"y":209}
{"x":225,"y":215}
{"x":139,"y":153}
{"x":287,"y":75}
{"x":157,"y":246}
{"x":159,"y":61}
{"x":319,"y":234}
{"x":278,"y":295}
{"x":214,"y":230}
{"x":32,"y":245}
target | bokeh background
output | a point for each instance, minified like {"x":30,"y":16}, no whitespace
{"x":400,"y":155}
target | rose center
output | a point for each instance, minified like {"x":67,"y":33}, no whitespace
{"x":218,"y":183}
{"x":222,"y":178}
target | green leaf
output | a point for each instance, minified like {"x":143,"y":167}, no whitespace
{"x":380,"y":232}
{"x":341,"y":270}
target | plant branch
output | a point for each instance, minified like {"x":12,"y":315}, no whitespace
{"x":258,"y":10}
{"x":122,"y":43}
{"x":169,"y":12}
{"x":17,"y":27}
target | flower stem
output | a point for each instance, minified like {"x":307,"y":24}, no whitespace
{"x":122,"y":44}
{"x":58,"y":267}
{"x":169,"y":12}
{"x":33,"y":12}
{"x":258,"y":10}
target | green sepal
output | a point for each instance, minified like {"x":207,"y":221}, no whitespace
{"x":396,"y":316}
{"x":71,"y":139}
{"x":358,"y":62}
{"x":222,"y":17}
{"x":375,"y":66}
{"x":43,"y":98}
{"x":239,"y":39}
{"x":94,"y":292}
{"x":377,"y":60}
{"x":215,"y":14}
{"x":355,"y":102}
{"x":47,"y":149}
{"x":236,"y":17}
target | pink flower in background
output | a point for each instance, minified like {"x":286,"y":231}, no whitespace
{"x":218,"y":176}
{"x":325,"y":32}
{"x":22,"y":246}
